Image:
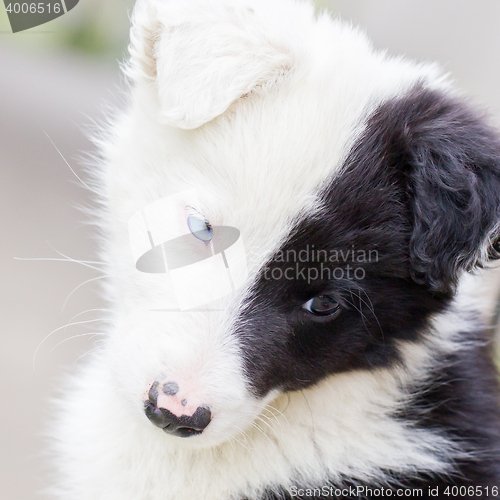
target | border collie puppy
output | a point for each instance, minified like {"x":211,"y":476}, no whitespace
{"x":291,"y":221}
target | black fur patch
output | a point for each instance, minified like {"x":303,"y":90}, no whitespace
{"x":461,"y":400}
{"x":451,"y":160}
{"x":421,"y":188}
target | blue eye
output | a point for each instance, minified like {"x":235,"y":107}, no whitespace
{"x":322,"y":305}
{"x":200,"y":227}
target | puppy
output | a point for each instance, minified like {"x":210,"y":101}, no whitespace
{"x":291,"y":221}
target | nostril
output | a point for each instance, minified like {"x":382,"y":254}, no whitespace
{"x":183,"y":426}
{"x":170,"y":388}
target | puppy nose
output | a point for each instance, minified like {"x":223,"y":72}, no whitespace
{"x":174,"y":415}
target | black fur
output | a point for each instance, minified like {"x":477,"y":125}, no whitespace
{"x":451,"y":159}
{"x":462,"y":401}
{"x":421,"y":187}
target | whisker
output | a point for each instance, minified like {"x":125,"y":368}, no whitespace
{"x":82,"y":262}
{"x":62,"y":260}
{"x":102,"y":263}
{"x":270,"y":427}
{"x":69,"y":166}
{"x":230,"y":440}
{"x":93,"y":334}
{"x":369,"y":306}
{"x":80,"y":285}
{"x":272,"y":420}
{"x":313,"y":429}
{"x":86,"y":354}
{"x":253,"y":424}
{"x":271,"y":407}
{"x":248,"y":438}
{"x":90,"y":310}
{"x":60,"y":328}
{"x":359,"y":310}
{"x":238,"y":441}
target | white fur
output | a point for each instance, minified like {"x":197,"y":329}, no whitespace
{"x":272,"y":98}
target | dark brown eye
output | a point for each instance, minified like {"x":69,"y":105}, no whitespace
{"x":322,"y":305}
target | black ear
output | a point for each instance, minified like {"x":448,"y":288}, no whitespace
{"x":445,"y":159}
{"x":452,"y":174}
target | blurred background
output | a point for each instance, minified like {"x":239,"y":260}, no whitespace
{"x":56,"y":81}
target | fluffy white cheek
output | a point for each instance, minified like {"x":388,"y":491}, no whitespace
{"x":193,"y":353}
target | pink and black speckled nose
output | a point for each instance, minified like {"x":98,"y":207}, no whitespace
{"x":175,"y":416}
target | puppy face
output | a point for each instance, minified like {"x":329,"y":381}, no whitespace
{"x":359,"y":187}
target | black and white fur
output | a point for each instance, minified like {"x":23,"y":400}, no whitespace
{"x":291,"y":128}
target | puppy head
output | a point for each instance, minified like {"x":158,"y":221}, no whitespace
{"x":360,"y":186}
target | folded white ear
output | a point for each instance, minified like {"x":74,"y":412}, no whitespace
{"x":202,"y":56}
